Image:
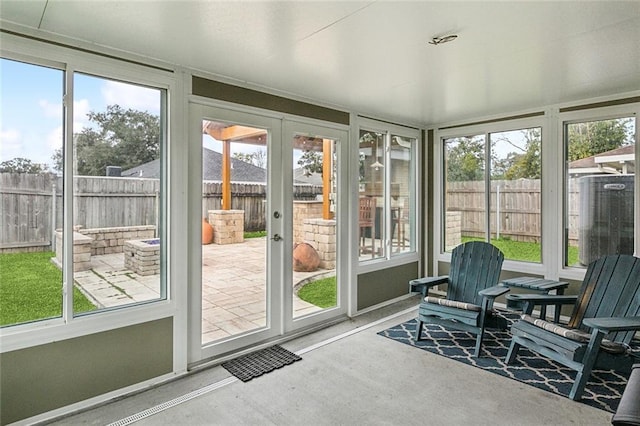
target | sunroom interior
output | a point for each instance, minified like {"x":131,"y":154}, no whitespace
{"x":273,"y":124}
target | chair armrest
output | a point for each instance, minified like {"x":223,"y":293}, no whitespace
{"x":423,"y":284}
{"x":494,"y":291}
{"x":545,"y":299}
{"x":613,"y":323}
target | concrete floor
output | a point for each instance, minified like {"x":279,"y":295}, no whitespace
{"x":360,"y":379}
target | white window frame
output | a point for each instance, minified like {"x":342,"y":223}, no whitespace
{"x":19,"y":336}
{"x":387,"y":129}
{"x":496,"y":126}
{"x":587,"y":115}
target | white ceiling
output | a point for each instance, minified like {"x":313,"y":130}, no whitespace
{"x":373,"y":57}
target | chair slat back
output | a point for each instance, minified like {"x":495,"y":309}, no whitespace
{"x":611,"y":288}
{"x":475,"y":265}
{"x":367,"y":211}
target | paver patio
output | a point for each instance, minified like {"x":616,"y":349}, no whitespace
{"x":233,"y":287}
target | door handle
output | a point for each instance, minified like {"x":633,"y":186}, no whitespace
{"x":276,"y":237}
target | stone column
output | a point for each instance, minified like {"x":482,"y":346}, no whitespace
{"x":321,"y":235}
{"x":228,"y":226}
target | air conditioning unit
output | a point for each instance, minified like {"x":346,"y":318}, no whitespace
{"x":605,"y":223}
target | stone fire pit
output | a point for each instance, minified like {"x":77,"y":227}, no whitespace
{"x":142,"y":256}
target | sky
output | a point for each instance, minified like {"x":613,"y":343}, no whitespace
{"x":31,"y":107}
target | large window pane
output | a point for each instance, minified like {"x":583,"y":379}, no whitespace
{"x":464,"y":192}
{"x":117,"y":187}
{"x":402,"y":192}
{"x":372,"y":194}
{"x":600,"y":181}
{"x":515,"y":220}
{"x":30,"y":193}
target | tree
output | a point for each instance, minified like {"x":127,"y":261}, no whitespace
{"x":524,"y":165}
{"x":465,"y":159}
{"x":124,"y":138}
{"x":594,"y":137}
{"x":21,"y":165}
{"x":311,"y":161}
{"x":257,"y":158}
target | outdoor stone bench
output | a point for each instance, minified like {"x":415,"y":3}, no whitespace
{"x":111,"y":239}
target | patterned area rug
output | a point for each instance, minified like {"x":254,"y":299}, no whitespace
{"x":261,"y":362}
{"x":603,"y":390}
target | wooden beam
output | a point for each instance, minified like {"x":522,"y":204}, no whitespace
{"x":226,"y":175}
{"x":327,"y":169}
{"x":235,"y":133}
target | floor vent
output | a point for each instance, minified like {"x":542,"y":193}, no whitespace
{"x":172,"y":403}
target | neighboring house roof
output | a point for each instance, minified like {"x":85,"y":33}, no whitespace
{"x":211,"y":170}
{"x":619,"y":160}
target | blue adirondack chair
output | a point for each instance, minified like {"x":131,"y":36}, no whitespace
{"x":472,"y":288}
{"x":606,"y":315}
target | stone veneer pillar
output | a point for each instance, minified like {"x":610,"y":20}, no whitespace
{"x":453,"y":230}
{"x":81,"y":251}
{"x":228,"y":226}
{"x":321,"y":235}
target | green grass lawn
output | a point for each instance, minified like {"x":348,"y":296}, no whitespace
{"x":31,"y":289}
{"x":524,"y":251}
{"x":321,"y":293}
{"x":255,"y":234}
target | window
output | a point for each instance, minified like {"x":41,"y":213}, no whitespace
{"x":372,"y":194}
{"x":116,"y":192}
{"x":403,"y":203}
{"x":501,"y":202}
{"x":387,"y":193}
{"x":31,"y":119}
{"x":599,"y":189}
{"x":87,"y":211}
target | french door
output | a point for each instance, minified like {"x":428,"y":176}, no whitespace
{"x":261,"y":190}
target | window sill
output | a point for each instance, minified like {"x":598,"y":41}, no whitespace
{"x":42,"y":332}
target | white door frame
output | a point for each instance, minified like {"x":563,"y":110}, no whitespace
{"x":198,"y":112}
{"x":279,"y":252}
{"x":292,"y":127}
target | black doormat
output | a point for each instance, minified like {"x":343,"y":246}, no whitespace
{"x":261,"y":362}
{"x":603,"y":390}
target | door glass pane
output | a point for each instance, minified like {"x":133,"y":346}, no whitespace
{"x":402,"y":194}
{"x":234,"y":243}
{"x":371,"y":219}
{"x":464,"y":191}
{"x":117,"y":187}
{"x":600,"y":181}
{"x":314,"y":224}
{"x":515,"y":222}
{"x":31,"y":120}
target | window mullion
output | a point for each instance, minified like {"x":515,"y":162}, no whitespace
{"x":387,"y":195}
{"x":68,"y":211}
{"x":487,"y":185}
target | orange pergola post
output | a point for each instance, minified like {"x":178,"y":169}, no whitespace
{"x":327,"y":159}
{"x":226,"y":175}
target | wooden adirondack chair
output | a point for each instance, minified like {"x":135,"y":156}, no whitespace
{"x":472,"y":289}
{"x":608,"y":305}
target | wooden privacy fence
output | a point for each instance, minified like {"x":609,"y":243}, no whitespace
{"x":514,"y":208}
{"x":250,"y":197}
{"x":31,"y":205}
